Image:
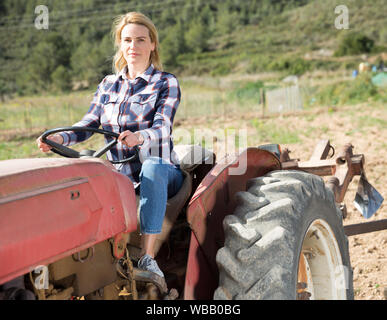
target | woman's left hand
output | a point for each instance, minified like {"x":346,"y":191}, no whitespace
{"x":130,"y":139}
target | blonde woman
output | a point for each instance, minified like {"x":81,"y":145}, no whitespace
{"x":139,"y":102}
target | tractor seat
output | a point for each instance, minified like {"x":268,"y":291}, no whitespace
{"x":190,"y":156}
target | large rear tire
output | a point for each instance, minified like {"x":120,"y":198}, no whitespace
{"x":285,"y":240}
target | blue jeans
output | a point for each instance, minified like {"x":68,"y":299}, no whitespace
{"x":159,"y":181}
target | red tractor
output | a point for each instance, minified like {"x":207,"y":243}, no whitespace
{"x":69,"y":227}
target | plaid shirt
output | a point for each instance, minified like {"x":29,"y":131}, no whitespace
{"x":147,"y":104}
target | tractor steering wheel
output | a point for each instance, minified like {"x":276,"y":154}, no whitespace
{"x":71,"y":153}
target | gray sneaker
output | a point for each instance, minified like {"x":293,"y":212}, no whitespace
{"x":149,"y":264}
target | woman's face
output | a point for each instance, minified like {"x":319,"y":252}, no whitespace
{"x":136,"y":45}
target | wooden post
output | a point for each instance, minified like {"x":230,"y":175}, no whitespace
{"x":27,"y":117}
{"x":262,"y":98}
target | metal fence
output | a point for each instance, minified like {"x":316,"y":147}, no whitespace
{"x":49,"y":112}
{"x":285,"y":99}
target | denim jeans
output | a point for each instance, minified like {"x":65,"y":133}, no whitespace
{"x":159,"y":181}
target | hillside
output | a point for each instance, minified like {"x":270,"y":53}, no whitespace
{"x":294,"y":41}
{"x":197,"y":38}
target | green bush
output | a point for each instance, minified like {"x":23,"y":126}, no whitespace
{"x":353,"y":91}
{"x":220,"y":70}
{"x":249,"y":91}
{"x":296,"y":66}
{"x":354,"y":43}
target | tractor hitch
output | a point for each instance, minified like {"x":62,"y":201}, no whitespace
{"x":341,"y":169}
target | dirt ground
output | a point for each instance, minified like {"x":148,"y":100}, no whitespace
{"x":364,"y":127}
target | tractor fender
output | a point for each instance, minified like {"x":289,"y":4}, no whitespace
{"x":210,"y":203}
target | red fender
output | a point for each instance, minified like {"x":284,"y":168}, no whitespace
{"x":211,"y":202}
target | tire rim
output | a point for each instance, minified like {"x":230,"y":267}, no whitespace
{"x":321,"y":274}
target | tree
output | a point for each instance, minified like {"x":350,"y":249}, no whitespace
{"x":197,"y":37}
{"x":45,"y":58}
{"x":92,"y":63}
{"x":227,"y":21}
{"x":173,"y":44}
{"x":61,"y":79}
{"x":41,"y":64}
{"x":84,"y":62}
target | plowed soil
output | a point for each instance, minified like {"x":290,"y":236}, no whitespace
{"x":365,"y":126}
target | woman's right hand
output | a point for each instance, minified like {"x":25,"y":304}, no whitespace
{"x":45,"y":147}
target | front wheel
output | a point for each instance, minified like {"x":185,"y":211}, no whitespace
{"x":285,"y":241}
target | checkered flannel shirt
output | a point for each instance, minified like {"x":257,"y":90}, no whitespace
{"x":147,"y":104}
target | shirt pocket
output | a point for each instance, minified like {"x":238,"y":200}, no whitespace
{"x":110,"y":104}
{"x":107,"y":98}
{"x":143,"y":106}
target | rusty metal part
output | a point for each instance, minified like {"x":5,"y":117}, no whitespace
{"x":131,"y":277}
{"x":62,"y":295}
{"x":302,"y":279}
{"x":124,"y":268}
{"x":285,"y":155}
{"x":345,"y":154}
{"x":77,"y":256}
{"x":321,"y":150}
{"x":84,"y":281}
{"x":365,"y":227}
{"x":147,"y":276}
{"x":301,"y":285}
{"x":304,"y":295}
{"x":155,"y":286}
{"x":119,"y":244}
{"x":151,"y":292}
{"x":172,"y":295}
{"x":343,"y":167}
{"x":343,"y":209}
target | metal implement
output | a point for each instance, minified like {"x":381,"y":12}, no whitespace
{"x":365,"y":227}
{"x":147,"y":276}
{"x":341,"y":169}
{"x":368,"y":200}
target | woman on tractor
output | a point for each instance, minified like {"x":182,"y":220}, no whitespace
{"x":139,"y":102}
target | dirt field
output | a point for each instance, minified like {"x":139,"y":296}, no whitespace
{"x":365,"y":127}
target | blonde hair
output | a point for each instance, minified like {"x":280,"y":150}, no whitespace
{"x":136,"y":18}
